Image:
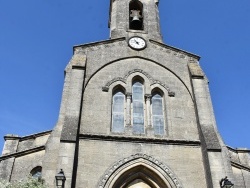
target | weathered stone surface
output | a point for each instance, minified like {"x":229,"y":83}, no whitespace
{"x":195,"y":70}
{"x":188,"y":154}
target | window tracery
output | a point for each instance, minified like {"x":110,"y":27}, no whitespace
{"x":139,"y":107}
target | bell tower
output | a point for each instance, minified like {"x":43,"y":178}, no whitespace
{"x":132,"y":17}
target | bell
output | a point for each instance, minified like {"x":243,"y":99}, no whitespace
{"x":135,"y":22}
{"x":135,"y":18}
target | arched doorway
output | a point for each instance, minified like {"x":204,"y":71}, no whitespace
{"x":139,"y":171}
{"x":138,"y":183}
{"x":140,"y":176}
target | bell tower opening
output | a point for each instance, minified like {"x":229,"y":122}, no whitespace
{"x":135,"y":15}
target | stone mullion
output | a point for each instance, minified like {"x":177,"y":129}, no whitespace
{"x":128,"y":110}
{"x":148,"y":108}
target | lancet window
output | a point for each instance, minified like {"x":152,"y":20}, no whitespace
{"x":157,"y":113}
{"x":138,"y":107}
{"x":137,"y":110}
{"x":118,"y":111}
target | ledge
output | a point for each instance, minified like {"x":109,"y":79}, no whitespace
{"x":241,"y":150}
{"x":237,"y":165}
{"x":15,"y":137}
{"x":140,"y":139}
{"x":35,"y":135}
{"x":22,"y":153}
{"x":99,"y":43}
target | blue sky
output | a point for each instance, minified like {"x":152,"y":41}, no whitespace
{"x":36,"y":40}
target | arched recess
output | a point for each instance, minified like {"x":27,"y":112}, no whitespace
{"x":135,"y":15}
{"x":139,"y":170}
{"x":36,"y":172}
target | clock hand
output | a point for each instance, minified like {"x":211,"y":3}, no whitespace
{"x":136,"y":41}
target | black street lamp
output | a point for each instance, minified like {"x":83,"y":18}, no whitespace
{"x":225,"y":183}
{"x":60,"y":179}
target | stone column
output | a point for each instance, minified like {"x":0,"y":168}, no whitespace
{"x":148,"y":109}
{"x":128,"y":110}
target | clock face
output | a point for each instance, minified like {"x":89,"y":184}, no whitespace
{"x":137,"y":43}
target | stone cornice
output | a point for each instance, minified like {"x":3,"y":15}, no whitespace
{"x":175,"y":49}
{"x":10,"y":137}
{"x":165,"y":46}
{"x":98,"y":43}
{"x":237,"y":165}
{"x":241,"y":150}
{"x":122,"y":138}
{"x":22,"y":153}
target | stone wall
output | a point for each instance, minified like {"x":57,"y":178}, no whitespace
{"x":97,"y":158}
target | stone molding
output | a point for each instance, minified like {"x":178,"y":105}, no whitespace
{"x":150,"y":78}
{"x":163,"y":47}
{"x":136,"y":156}
{"x":240,"y":166}
{"x":175,"y":51}
{"x":195,"y":70}
{"x":15,"y":137}
{"x":107,"y":85}
{"x":22,"y":153}
{"x":97,"y":45}
{"x":237,"y":161}
{"x":152,"y":140}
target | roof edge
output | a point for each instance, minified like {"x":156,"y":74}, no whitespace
{"x":175,"y":49}
{"x":14,"y":137}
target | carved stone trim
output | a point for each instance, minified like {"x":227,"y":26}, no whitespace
{"x":106,"y":87}
{"x":128,"y":94}
{"x":140,"y":71}
{"x":22,"y":153}
{"x":150,"y":78}
{"x":148,"y":96}
{"x":171,"y":94}
{"x":125,"y":160}
{"x":162,"y":84}
{"x":175,"y":51}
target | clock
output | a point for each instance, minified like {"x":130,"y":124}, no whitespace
{"x":137,"y":43}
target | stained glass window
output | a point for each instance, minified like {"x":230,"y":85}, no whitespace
{"x":138,"y":107}
{"x":118,"y":112}
{"x":157,"y":114}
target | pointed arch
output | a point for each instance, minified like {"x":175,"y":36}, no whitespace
{"x":157,"y":109}
{"x":139,"y":168}
{"x":138,"y":105}
{"x":118,"y":109}
{"x":146,"y":77}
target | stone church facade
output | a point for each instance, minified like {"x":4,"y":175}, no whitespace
{"x":135,"y":112}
